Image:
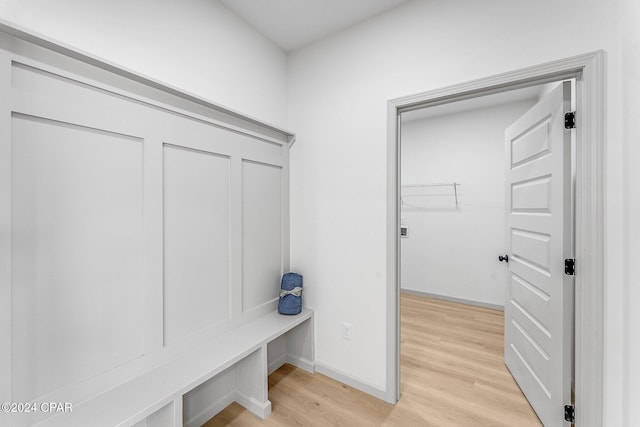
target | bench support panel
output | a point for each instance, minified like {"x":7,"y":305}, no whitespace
{"x":246,"y":382}
{"x":300,"y":347}
{"x":169,"y":415}
{"x":251,"y":383}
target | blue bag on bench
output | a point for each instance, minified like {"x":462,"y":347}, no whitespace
{"x":290,"y":301}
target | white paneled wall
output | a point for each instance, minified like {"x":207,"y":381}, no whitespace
{"x":196,"y":240}
{"x":261,"y":232}
{"x":142,"y":225}
{"x":77,"y":255}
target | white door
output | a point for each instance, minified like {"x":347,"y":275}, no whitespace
{"x":539,"y":302}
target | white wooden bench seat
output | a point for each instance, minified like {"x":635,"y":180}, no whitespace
{"x":235,"y":366}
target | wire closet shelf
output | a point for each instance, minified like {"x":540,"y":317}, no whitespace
{"x":431,"y":189}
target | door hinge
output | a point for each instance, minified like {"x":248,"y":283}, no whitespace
{"x":570,"y":120}
{"x":570,"y":266}
{"x":570,"y":413}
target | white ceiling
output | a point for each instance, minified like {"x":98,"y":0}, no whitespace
{"x":291,"y":24}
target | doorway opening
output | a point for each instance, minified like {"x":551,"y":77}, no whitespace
{"x":587,"y":72}
{"x":457,"y":210}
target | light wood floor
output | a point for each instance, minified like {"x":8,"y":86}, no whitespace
{"x":452,"y":375}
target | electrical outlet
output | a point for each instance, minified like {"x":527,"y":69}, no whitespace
{"x":346,"y":331}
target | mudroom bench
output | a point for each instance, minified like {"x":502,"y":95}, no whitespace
{"x":231,"y":368}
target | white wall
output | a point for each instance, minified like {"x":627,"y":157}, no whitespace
{"x":199,"y":46}
{"x":338,"y":93}
{"x":630,"y":37}
{"x":451,"y":251}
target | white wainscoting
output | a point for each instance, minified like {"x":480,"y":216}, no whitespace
{"x":196,"y":241}
{"x":77,"y":259}
{"x":136,"y":221}
{"x":261,"y":232}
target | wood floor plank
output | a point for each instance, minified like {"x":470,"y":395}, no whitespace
{"x":453,"y":374}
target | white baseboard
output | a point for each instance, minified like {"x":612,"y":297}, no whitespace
{"x":259,"y":409}
{"x":302,"y":363}
{"x":350,"y":381}
{"x":453,"y":299}
{"x":212,"y":410}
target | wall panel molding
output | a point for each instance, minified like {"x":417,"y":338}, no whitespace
{"x":171,"y":212}
{"x":261,"y":233}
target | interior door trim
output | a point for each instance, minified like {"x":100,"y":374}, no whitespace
{"x":588,"y":70}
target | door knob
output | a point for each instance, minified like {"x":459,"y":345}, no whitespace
{"x":504,"y":258}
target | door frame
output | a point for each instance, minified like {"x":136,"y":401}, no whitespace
{"x":588,"y":70}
